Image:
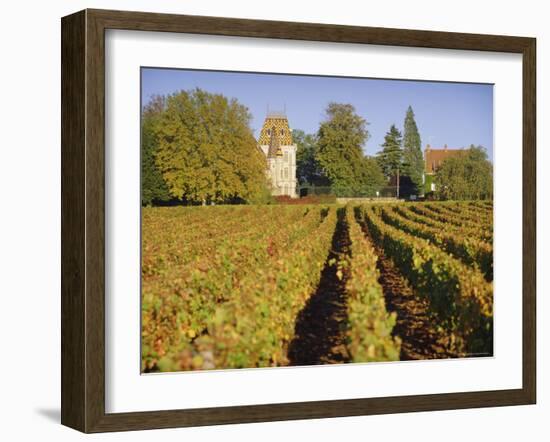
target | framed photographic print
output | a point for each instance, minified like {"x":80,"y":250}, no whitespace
{"x":270,"y":220}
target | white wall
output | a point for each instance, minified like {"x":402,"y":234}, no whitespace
{"x":30,"y":215}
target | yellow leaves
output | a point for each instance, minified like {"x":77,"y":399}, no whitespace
{"x":197,"y":361}
{"x":219,"y":264}
{"x":216,"y":271}
{"x":456,"y":290}
{"x":206,"y":149}
{"x":371,"y":352}
{"x":370,"y":324}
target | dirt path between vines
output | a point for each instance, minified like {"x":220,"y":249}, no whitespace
{"x":420,"y":339}
{"x":320,"y":331}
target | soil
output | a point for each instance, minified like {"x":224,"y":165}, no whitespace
{"x":320,"y":331}
{"x":421,"y":339}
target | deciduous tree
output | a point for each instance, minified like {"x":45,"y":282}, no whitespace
{"x":340,"y":149}
{"x":153,"y":187}
{"x":308,"y":169}
{"x":465,"y":177}
{"x":206,"y":150}
{"x":371,"y":177}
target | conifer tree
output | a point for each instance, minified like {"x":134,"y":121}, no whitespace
{"x":412,"y":153}
{"x":390,"y":158}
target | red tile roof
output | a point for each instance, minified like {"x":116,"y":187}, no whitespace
{"x":433,"y":158}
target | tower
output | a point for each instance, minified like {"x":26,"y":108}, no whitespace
{"x":275,"y":141}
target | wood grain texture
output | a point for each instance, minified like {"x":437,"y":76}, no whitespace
{"x":529,"y":220}
{"x":144,"y":21}
{"x":73,"y":129}
{"x":95,"y":221}
{"x":83,"y":219}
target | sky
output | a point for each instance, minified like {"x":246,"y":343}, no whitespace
{"x":456,"y":114}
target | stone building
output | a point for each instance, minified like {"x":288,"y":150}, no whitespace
{"x":275,"y":141}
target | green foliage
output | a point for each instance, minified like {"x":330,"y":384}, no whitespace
{"x":153,"y":187}
{"x":469,"y":249}
{"x":465,"y":177}
{"x":262,"y":196}
{"x":422,"y":214}
{"x":193,"y":259}
{"x":259,"y":321}
{"x":308,"y":169}
{"x":412,"y":154}
{"x":206,"y":150}
{"x":370,"y":325}
{"x":459,"y":296}
{"x":371,"y":177}
{"x":390,"y":158}
{"x":222,"y":285}
{"x":340,"y":152}
{"x":428,"y":185}
{"x":460,"y":215}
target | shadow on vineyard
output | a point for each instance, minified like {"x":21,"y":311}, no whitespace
{"x":320,"y":331}
{"x":420,"y":338}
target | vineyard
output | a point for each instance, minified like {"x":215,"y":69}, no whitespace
{"x":262,"y":286}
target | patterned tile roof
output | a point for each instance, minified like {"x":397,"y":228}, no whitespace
{"x":274,"y":145}
{"x":278,"y":123}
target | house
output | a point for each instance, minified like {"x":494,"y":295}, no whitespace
{"x":275,"y":142}
{"x":433,"y":158}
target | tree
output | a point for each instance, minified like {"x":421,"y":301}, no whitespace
{"x":465,"y":177}
{"x":390,"y":158}
{"x":412,"y":153}
{"x":371,"y":177}
{"x":308,"y":169}
{"x":153,"y":187}
{"x":339,"y":148}
{"x":207,"y":152}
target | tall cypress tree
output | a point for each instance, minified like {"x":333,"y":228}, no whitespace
{"x":412,"y":153}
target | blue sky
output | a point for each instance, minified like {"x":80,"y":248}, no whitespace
{"x":456,"y":114}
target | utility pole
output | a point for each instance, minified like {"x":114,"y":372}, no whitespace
{"x":397,"y":190}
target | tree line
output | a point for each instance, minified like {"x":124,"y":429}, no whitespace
{"x":334,"y":156}
{"x":199,"y":148}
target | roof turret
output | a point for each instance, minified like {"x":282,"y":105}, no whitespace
{"x":274,"y":144}
{"x":276,"y":123}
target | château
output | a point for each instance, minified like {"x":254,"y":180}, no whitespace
{"x":275,"y":142}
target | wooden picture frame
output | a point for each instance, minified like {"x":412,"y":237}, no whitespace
{"x":83,"y":219}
